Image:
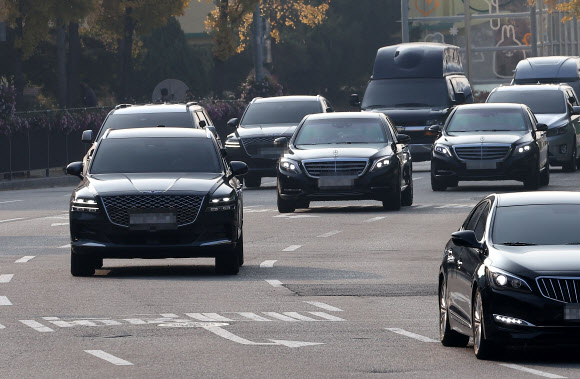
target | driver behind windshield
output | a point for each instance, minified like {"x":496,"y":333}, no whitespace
{"x":345,"y":131}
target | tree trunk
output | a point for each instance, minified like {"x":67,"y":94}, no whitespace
{"x":18,"y":74}
{"x":74,"y":46}
{"x":218,"y":64}
{"x":125,"y":51}
{"x":258,"y":34}
{"x":61,"y":65}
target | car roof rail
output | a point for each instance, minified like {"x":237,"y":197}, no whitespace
{"x":120,"y":106}
{"x":190,"y":103}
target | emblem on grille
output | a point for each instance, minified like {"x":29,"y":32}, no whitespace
{"x":482,"y":138}
{"x":335,"y":153}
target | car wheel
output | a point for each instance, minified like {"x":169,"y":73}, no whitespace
{"x":571,"y":165}
{"x":482,"y":346}
{"x":285,"y":206}
{"x":99,"y":263}
{"x":302,"y":204}
{"x":239,"y":250}
{"x":81,"y":265}
{"x":393,"y":202}
{"x":228,"y":264}
{"x":532,"y":182}
{"x":437,"y":184}
{"x":447,"y":336}
{"x":407,"y":195}
{"x":546,"y":174}
{"x":252,"y":181}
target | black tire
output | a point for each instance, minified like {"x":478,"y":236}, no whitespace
{"x":239,"y":250}
{"x":437,"y":185}
{"x":302,"y":204}
{"x":285,"y":206}
{"x":81,"y":265}
{"x":482,"y":346}
{"x":407,"y":194}
{"x":447,"y":336}
{"x":572,"y":164}
{"x":228,"y":264}
{"x":545,"y":177}
{"x":393,"y":202}
{"x":99,"y":263}
{"x":252,"y":181}
{"x":532,"y":182}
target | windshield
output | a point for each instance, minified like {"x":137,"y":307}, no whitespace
{"x":537,"y":224}
{"x":392,"y":93}
{"x":341,"y":131}
{"x":283,"y":112}
{"x":144,"y":120}
{"x":154,"y":155}
{"x":539,"y":101}
{"x":486,"y":120}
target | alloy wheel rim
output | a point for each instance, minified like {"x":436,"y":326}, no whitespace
{"x":477,"y":313}
{"x":442,"y":310}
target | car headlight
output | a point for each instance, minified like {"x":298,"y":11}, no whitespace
{"x":524,"y":148}
{"x":557,"y":131}
{"x":503,"y":280}
{"x":288,"y":165}
{"x":233,"y":142}
{"x":84,"y":205}
{"x":381,"y":163}
{"x":221,"y":203}
{"x":443,"y":150}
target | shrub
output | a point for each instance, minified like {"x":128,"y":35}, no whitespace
{"x":252,"y":88}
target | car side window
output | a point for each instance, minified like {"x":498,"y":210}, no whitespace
{"x":201,"y":117}
{"x":328,"y":105}
{"x":471,"y":220}
{"x":482,"y":220}
{"x":207,"y":118}
{"x":392,"y":130}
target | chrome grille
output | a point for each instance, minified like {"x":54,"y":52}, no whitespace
{"x":565,"y":290}
{"x":118,"y":207}
{"x":335,"y":167}
{"x":253,"y":145}
{"x":480,"y":152}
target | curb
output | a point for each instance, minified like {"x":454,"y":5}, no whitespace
{"x":35,"y":183}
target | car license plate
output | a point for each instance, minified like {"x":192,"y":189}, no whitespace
{"x":335,"y":181}
{"x":572,"y":312}
{"x":162,"y":220}
{"x":481,"y":165}
{"x":270,"y":151}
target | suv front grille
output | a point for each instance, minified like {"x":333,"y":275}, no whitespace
{"x":259,"y":145}
{"x":335,"y":167}
{"x":565,"y":290}
{"x":117,"y":207}
{"x":481,"y":152}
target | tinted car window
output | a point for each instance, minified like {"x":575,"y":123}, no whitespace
{"x":480,"y":227}
{"x":537,"y":224}
{"x":486,"y":120}
{"x":406,"y":92}
{"x":143,"y":120}
{"x":338,"y":131}
{"x":469,"y":223}
{"x":141,"y":155}
{"x":539,"y":101}
{"x":286,"y":112}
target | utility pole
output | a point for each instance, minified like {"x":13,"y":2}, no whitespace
{"x":404,"y":21}
{"x":467,"y":16}
{"x":258,"y":43}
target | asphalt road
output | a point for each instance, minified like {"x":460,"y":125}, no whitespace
{"x":343,"y":289}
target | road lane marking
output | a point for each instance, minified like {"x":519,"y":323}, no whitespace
{"x":295,"y":216}
{"x":109,"y":358}
{"x":421,"y":206}
{"x":375,"y":219}
{"x":267,"y":264}
{"x":274,"y":283}
{"x":11,"y":219}
{"x":10,"y":201}
{"x":411,"y":335}
{"x":67,"y":246}
{"x":208,"y":317}
{"x":2,"y":326}
{"x":37,"y":326}
{"x":324,"y":306}
{"x":531,"y":370}
{"x":279,"y":316}
{"x":6,"y":278}
{"x":454,"y":206}
{"x":258,"y":210}
{"x":253,"y":316}
{"x":135,"y":321}
{"x":300,"y":317}
{"x":5,"y":301}
{"x":417,"y":177}
{"x":327,"y":316}
{"x":331,"y":233}
{"x":24,"y":259}
{"x":292,"y":248}
{"x":61,"y":217}
{"x":59,"y":224}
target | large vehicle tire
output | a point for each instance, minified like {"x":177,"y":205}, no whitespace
{"x":437,"y":185}
{"x":572,"y":164}
{"x":285,"y":206}
{"x":228,"y":264}
{"x":447,"y":336}
{"x":81,"y":265}
{"x":545,"y":179}
{"x":393,"y":202}
{"x":407,"y":194}
{"x":482,"y":346}
{"x":239,"y":250}
{"x":252,"y":181}
{"x":532,"y":182}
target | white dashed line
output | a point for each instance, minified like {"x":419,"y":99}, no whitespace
{"x":6,"y":278}
{"x":11,"y":219}
{"x":10,"y":201}
{"x":4,"y":301}
{"x":295,"y":216}
{"x":253,"y":316}
{"x":417,"y":178}
{"x":326,"y":316}
{"x":2,"y":326}
{"x":292,"y":248}
{"x":109,"y":358}
{"x":531,"y":370}
{"x":374,"y":219}
{"x":329,"y":234}
{"x":67,"y":246}
{"x":59,"y":224}
{"x":411,"y":335}
{"x":274,"y":283}
{"x":324,"y":306}
{"x":37,"y":326}
{"x":24,"y":259}
{"x":267,"y":264}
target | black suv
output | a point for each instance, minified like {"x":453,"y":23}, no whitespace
{"x":156,"y":193}
{"x":264,"y":120}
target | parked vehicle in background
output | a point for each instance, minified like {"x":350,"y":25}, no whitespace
{"x":556,"y":106}
{"x":416,"y":85}
{"x":345,"y":156}
{"x":490,"y":142}
{"x":511,"y":274}
{"x":549,"y":70}
{"x":263,"y":121}
{"x":156,"y":193}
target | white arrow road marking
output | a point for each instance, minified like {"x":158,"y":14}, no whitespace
{"x":109,"y":358}
{"x":331,"y":233}
{"x":11,"y":219}
{"x":6,"y":278}
{"x":274,"y":283}
{"x":267,"y":264}
{"x":36,"y":326}
{"x":411,"y":335}
{"x":324,"y":306}
{"x":24,"y":259}
{"x":10,"y":201}
{"x":4,"y":301}
{"x":374,"y":219}
{"x":292,"y":248}
{"x":531,"y":370}
{"x":59,"y":224}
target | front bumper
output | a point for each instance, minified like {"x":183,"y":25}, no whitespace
{"x":560,"y":148}
{"x":259,"y":166}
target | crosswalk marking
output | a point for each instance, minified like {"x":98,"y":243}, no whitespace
{"x":253,"y":316}
{"x":327,"y":316}
{"x":411,"y":335}
{"x":324,"y":306}
{"x":208,"y":317}
{"x":24,"y":259}
{"x":5,"y":301}
{"x":37,"y":326}
{"x":298,"y":316}
{"x":6,"y":278}
{"x":280,"y":316}
{"x":109,"y":358}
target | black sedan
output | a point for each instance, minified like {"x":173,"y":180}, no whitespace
{"x":156,"y":193}
{"x":490,"y":142}
{"x":511,"y":274}
{"x":345,"y":156}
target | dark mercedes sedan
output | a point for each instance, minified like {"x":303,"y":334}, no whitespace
{"x":345,"y":156}
{"x":156,"y":193}
{"x":490,"y":142}
{"x":511,"y":274}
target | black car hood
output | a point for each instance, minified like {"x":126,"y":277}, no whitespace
{"x":194,"y":183}
{"x":475,"y":138}
{"x":543,"y":260}
{"x":412,"y":116}
{"x":552,"y":120}
{"x":339,"y":151}
{"x":248,"y":131}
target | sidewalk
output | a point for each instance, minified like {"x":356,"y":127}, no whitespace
{"x":37,"y":180}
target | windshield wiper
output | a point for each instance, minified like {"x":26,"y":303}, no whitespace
{"x":573,"y":243}
{"x":411,"y":105}
{"x":518,"y":244}
{"x":375,"y":106}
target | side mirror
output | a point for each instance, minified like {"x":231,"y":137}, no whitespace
{"x":202,"y":123}
{"x":354,"y":100}
{"x":434,"y":129}
{"x":233,"y":123}
{"x":238,"y":168}
{"x":576,"y":109}
{"x":87,"y":136}
{"x":281,"y":142}
{"x":329,"y":110}
{"x":75,"y":168}
{"x":542,"y":127}
{"x":403,"y":139}
{"x":466,"y":238}
{"x":459,"y":97}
